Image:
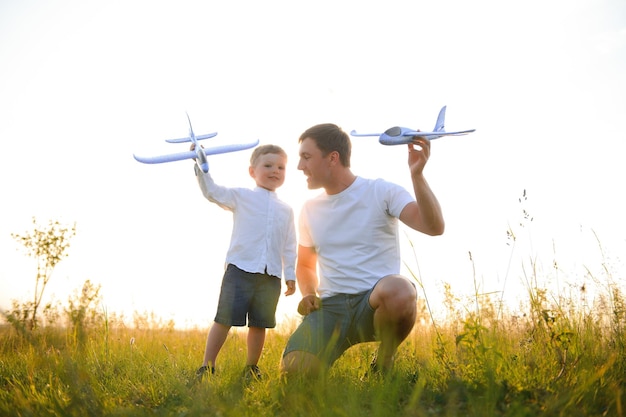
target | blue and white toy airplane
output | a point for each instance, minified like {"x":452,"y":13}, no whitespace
{"x":199,"y":153}
{"x":403,"y":135}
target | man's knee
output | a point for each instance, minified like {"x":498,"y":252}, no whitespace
{"x":395,"y":292}
{"x":300,"y":363}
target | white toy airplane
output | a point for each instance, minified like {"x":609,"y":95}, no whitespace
{"x":199,"y":153}
{"x":403,"y":135}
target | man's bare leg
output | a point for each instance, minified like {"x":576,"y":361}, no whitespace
{"x":299,"y":363}
{"x":394,"y":302}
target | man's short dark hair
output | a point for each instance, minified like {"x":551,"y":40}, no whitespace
{"x":329,"y":138}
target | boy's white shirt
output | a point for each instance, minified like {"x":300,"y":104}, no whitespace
{"x":263,"y":238}
{"x":365,"y":215}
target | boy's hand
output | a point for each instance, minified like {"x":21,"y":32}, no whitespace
{"x":192,"y":147}
{"x":291,"y":287}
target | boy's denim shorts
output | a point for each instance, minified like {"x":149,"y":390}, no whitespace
{"x":343,"y":320}
{"x":248,"y":297}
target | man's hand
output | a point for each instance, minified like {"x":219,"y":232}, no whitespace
{"x":308,"y":304}
{"x":418,"y":156}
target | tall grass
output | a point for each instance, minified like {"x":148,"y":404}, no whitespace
{"x":551,"y":360}
{"x":556,"y":356}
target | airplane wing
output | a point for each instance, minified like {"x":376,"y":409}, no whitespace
{"x":402,"y":135}
{"x":435,"y":135}
{"x":411,"y":133}
{"x":399,"y":136}
{"x":188,"y":139}
{"x":230,"y":148}
{"x":171,"y":157}
{"x":180,"y":156}
{"x":355,"y":133}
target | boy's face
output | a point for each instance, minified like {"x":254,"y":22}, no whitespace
{"x":269,"y":171}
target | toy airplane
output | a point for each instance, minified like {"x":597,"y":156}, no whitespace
{"x":403,"y":135}
{"x":199,"y":153}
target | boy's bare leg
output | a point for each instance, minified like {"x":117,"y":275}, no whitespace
{"x":256,"y":340}
{"x":214,"y":342}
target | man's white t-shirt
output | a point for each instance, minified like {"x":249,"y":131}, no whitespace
{"x":355,"y":234}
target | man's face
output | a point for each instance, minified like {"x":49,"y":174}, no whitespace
{"x":312,"y":164}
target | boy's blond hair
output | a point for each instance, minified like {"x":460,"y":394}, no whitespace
{"x":264,"y":150}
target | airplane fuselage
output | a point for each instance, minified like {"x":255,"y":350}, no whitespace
{"x":399,"y":136}
{"x":201,"y":159}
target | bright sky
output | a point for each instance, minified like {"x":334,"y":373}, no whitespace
{"x":84,"y":85}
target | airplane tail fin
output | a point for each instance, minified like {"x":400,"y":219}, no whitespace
{"x":191,"y":135}
{"x":440,"y":125}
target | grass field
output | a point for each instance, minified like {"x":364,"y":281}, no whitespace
{"x":551,"y":361}
{"x":555,"y":356}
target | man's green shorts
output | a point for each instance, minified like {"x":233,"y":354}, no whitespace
{"x":343,"y":320}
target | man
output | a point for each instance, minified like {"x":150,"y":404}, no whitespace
{"x":350,"y":231}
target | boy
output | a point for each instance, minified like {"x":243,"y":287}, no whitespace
{"x":262,"y":248}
